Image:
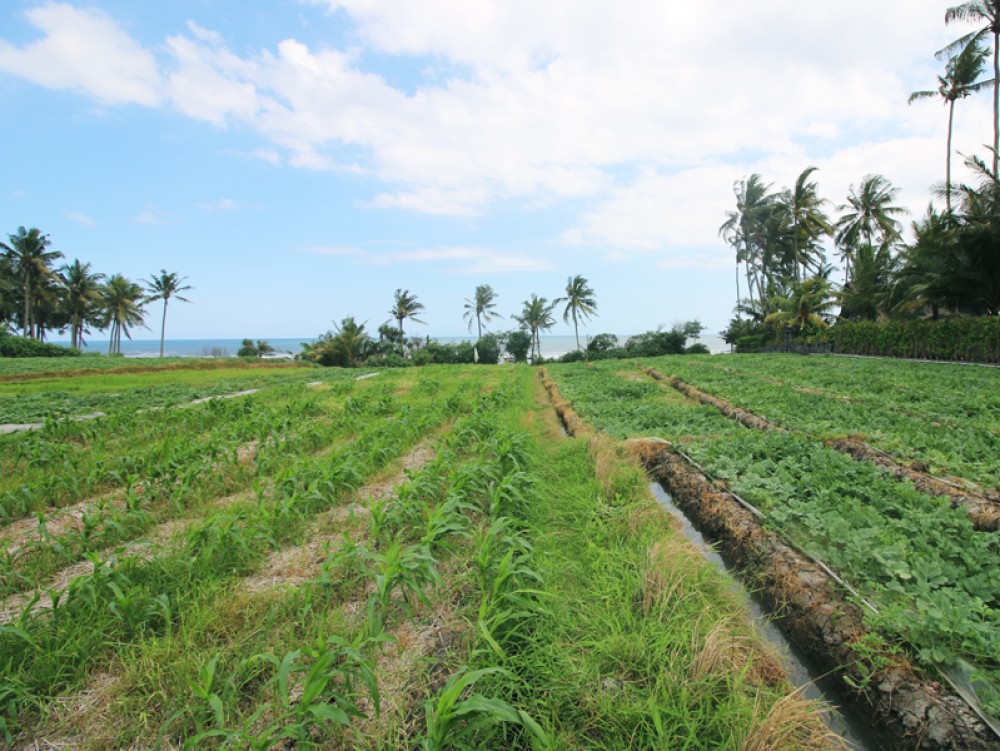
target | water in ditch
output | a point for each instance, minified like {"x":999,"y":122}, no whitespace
{"x":802,"y":671}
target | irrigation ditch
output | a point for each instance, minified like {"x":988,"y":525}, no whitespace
{"x":982,"y":506}
{"x":831,"y":647}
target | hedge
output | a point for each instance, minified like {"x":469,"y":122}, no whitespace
{"x":967,"y":339}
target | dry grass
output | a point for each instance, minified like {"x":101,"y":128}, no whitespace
{"x":793,"y":723}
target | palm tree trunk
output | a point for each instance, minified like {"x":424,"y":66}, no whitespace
{"x":947,"y":168}
{"x":996,"y":99}
{"x":28,"y":326}
{"x":163,"y":326}
{"x":738,"y":288}
{"x":576,"y":329}
{"x":479,"y":325}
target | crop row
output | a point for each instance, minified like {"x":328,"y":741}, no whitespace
{"x":938,"y":591}
{"x":41,"y":400}
{"x":282,"y":441}
{"x":70,"y":461}
{"x":49,"y":650}
{"x":944,"y":416}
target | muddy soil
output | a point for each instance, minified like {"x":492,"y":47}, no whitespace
{"x":907,"y":712}
{"x":983,"y":507}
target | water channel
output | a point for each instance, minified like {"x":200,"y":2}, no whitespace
{"x":802,"y":671}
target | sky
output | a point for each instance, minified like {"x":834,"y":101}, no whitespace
{"x":300,"y":160}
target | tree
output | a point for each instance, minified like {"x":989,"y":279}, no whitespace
{"x":163,"y":287}
{"x":536,"y":316}
{"x":580,"y":303}
{"x":122,"y":302}
{"x":807,"y":305}
{"x":81,"y":299}
{"x":7,"y":302}
{"x":746,"y":229}
{"x":348,"y":347}
{"x":32,"y":265}
{"x":958,"y":82}
{"x":869,"y":216}
{"x":481,"y":307}
{"x":405,"y":305}
{"x":987,"y":13}
{"x":803,"y":211}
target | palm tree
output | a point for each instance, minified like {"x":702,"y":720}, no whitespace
{"x":163,"y":287}
{"x":536,"y":316}
{"x":32,"y":265}
{"x":803,"y":210}
{"x":122,"y":301}
{"x":985,"y":12}
{"x":746,"y":229}
{"x":958,"y":82}
{"x":81,"y":297}
{"x":7,"y":284}
{"x":481,"y":308}
{"x":405,"y":305}
{"x":806,"y":305}
{"x":580,"y":303}
{"x":870,"y":213}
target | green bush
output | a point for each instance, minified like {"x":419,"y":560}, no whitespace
{"x":19,"y":346}
{"x":968,"y":339}
{"x":518,"y":344}
{"x":489,"y":347}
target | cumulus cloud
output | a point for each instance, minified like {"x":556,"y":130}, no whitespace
{"x":642,"y":113}
{"x":84,"y":50}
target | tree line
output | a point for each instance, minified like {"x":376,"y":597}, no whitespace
{"x":349,"y":343}
{"x":36,"y":297}
{"x":952,"y":266}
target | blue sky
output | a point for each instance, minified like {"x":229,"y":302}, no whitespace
{"x":298,"y":161}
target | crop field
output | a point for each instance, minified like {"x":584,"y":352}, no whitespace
{"x":410,"y":559}
{"x":930,"y":578}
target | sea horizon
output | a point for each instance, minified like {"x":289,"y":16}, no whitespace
{"x":552,"y":346}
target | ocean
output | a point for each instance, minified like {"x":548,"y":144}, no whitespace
{"x":552,"y":346}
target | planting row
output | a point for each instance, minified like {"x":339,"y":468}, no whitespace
{"x":937,"y":591}
{"x":138,"y":596}
{"x":945,"y":417}
{"x":38,"y":400}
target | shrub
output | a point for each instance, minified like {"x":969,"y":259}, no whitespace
{"x":518,"y":344}
{"x":19,"y":346}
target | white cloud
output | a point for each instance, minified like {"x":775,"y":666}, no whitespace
{"x":460,"y":260}
{"x":84,"y":50}
{"x":80,"y":218}
{"x":223,"y":204}
{"x":151,"y":217}
{"x":643,"y":112}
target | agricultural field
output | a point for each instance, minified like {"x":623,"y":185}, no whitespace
{"x":40,"y":395}
{"x":927,"y":578}
{"x":414,"y":559}
{"x":945,"y":416}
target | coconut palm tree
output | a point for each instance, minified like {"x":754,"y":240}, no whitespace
{"x":806,"y":223}
{"x":81,"y":298}
{"x":958,"y":82}
{"x":7,"y":302}
{"x":580,"y":303}
{"x":163,"y":287}
{"x":405,"y":305}
{"x":746,"y":229}
{"x":807,"y":304}
{"x":536,"y":316}
{"x":987,"y":14}
{"x":32,"y":265}
{"x":870,"y":211}
{"x":481,"y":308}
{"x":122,"y":302}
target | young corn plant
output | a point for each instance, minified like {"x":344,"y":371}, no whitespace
{"x":454,"y":723}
